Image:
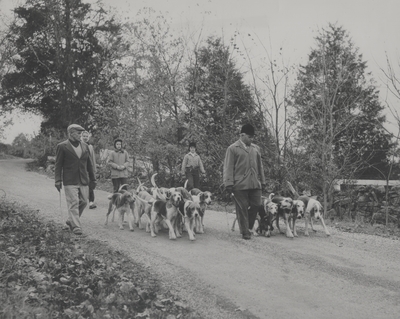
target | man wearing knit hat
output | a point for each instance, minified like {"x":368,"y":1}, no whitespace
{"x":244,"y":178}
{"x":75,"y":170}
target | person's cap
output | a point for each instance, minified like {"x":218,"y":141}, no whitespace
{"x":247,"y":129}
{"x":75,"y":127}
{"x":192,"y":144}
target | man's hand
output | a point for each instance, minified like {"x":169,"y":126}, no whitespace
{"x":92,"y":184}
{"x":229,"y":189}
{"x":58,"y":185}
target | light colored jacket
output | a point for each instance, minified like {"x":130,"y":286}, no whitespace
{"x":118,"y":158}
{"x":192,"y":161}
{"x":93,"y":157}
{"x":243,"y":168}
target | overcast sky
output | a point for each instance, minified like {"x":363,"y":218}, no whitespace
{"x":290,"y":24}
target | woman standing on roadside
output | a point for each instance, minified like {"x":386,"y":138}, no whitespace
{"x":119,"y":162}
{"x":192,"y":166}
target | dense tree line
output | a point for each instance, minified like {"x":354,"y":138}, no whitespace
{"x":139,"y":80}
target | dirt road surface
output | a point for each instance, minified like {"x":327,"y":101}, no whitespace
{"x":221,"y":275}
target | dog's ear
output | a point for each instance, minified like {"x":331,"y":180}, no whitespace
{"x":202,"y":196}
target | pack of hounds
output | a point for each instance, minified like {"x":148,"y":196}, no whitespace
{"x":173,"y":208}
{"x":289,"y":209}
{"x":178,"y":209}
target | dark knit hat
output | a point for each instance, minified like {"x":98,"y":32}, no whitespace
{"x":247,"y":129}
{"x":192,"y":144}
{"x":117,"y":140}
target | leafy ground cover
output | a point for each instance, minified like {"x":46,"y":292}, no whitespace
{"x":46,"y":272}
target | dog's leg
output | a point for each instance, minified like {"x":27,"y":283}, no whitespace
{"x":152,"y":224}
{"x":288,"y":231}
{"x":189,"y":224}
{"x":294,"y":227}
{"x":325,"y":228}
{"x":171,"y":229}
{"x":148,"y":226}
{"x":135,"y":214}
{"x":202,"y":222}
{"x":277,"y":224}
{"x":121,"y":219}
{"x":312,"y":225}
{"x":147,"y":212}
{"x":177,"y":222}
{"x":306,"y":218}
{"x":131,"y":219}
{"x":254,"y":229}
{"x":199,"y":227}
{"x":110,"y":207}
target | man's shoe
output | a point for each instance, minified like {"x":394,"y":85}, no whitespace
{"x":81,"y":235}
{"x":78,"y":232}
{"x":92,"y":205}
{"x":246,"y":236}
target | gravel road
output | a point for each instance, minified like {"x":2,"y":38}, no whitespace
{"x":221,"y":275}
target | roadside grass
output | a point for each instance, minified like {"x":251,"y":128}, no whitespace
{"x":46,"y":272}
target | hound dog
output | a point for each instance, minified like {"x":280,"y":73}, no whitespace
{"x":204,"y":199}
{"x":184,"y":192}
{"x":191,"y":213}
{"x":122,"y":202}
{"x":297,"y":212}
{"x":162,"y":193}
{"x":166,"y":211}
{"x":267,"y":214}
{"x":285,"y":205}
{"x":121,"y":189}
{"x":186,"y":197}
{"x":142,"y":207}
{"x":265,"y":217}
{"x":313,"y":210}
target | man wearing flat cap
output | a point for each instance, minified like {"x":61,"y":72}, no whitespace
{"x":244,"y":178}
{"x":75,"y":170}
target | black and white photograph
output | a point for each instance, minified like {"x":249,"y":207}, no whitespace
{"x":190,"y":159}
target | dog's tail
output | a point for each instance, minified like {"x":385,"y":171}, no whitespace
{"x":160,"y":195}
{"x":140,"y":187}
{"x":123,"y":187}
{"x":185,"y":185}
{"x":153,"y":181}
{"x":144,"y":201}
{"x":270,"y":196}
{"x":294,"y":192}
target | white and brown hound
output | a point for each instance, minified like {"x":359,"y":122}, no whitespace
{"x":313,"y":210}
{"x":285,"y":205}
{"x":297,"y":212}
{"x":191,"y":212}
{"x":204,"y":199}
{"x":142,"y":207}
{"x":122,"y":202}
{"x":166,"y":211}
{"x":267,"y":215}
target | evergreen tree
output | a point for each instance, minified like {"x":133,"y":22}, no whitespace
{"x":339,"y":111}
{"x":64,"y":52}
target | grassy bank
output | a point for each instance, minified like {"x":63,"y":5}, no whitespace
{"x":45,"y":272}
